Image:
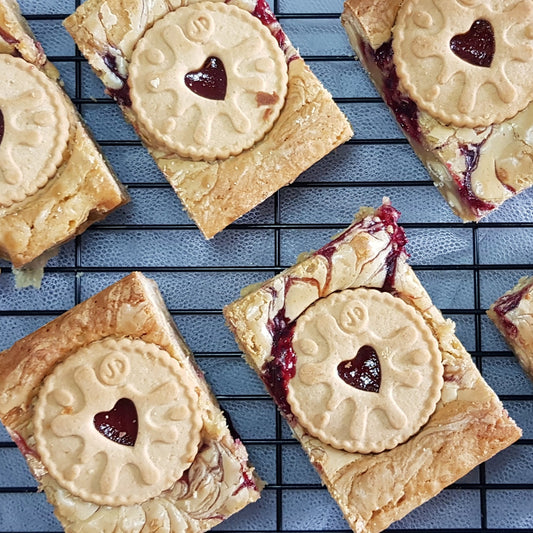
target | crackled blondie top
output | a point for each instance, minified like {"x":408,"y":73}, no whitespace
{"x":53,"y":180}
{"x":117,"y":423}
{"x":458,"y":78}
{"x":512,"y":313}
{"x":371,"y":378}
{"x":217,"y":93}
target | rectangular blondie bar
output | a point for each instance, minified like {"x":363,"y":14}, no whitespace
{"x":381,"y":394}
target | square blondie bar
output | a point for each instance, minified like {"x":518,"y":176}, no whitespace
{"x":117,"y":423}
{"x":512,"y":313}
{"x":457,"y":78}
{"x":372,"y":380}
{"x":54,"y":181}
{"x":219,"y":96}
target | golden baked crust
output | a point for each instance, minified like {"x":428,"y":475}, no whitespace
{"x":469,"y":424}
{"x":475,"y":169}
{"x":512,"y":313}
{"x":373,"y":18}
{"x":131,"y":308}
{"x":83,"y":188}
{"x":215,"y":193}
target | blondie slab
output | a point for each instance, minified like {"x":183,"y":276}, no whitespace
{"x":371,"y":378}
{"x":512,"y":313}
{"x":54,"y":182}
{"x":219,"y":96}
{"x":117,"y":422}
{"x":457,"y":77}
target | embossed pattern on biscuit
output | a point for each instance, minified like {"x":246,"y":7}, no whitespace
{"x":368,"y":371}
{"x":117,"y":422}
{"x":34,"y":129}
{"x":468,"y":63}
{"x":207,"y":81}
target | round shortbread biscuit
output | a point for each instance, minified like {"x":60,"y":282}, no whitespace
{"x":34,"y":129}
{"x":81,"y":426}
{"x":368,"y":371}
{"x":468,"y":63}
{"x":207,"y":81}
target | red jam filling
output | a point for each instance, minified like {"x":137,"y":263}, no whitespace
{"x":247,"y":481}
{"x":9,"y":39}
{"x":209,"y":81}
{"x":22,"y":445}
{"x":389,"y":219}
{"x":122,"y":95}
{"x":263,"y":12}
{"x":363,"y":371}
{"x":477,"y":46}
{"x":281,"y":368}
{"x":463,"y":181}
{"x":507,"y":303}
{"x":406,"y":113}
{"x":1,"y":126}
{"x":404,"y":109}
{"x":386,"y":216}
{"x":120,"y":424}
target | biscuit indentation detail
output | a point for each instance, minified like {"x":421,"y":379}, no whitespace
{"x":381,"y":395}
{"x":194,"y":82}
{"x":126,"y":461}
{"x":34,"y":129}
{"x":467,"y":63}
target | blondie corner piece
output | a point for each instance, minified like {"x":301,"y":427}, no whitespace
{"x":117,"y":423}
{"x":53,"y":180}
{"x":458,"y":78}
{"x":359,"y":360}
{"x":236,"y":118}
{"x":512,"y":314}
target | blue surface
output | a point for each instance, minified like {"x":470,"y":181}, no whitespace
{"x":201,"y":277}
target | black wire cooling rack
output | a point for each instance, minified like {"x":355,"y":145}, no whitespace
{"x":463,"y":266}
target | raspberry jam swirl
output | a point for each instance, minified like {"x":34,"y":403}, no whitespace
{"x":506,"y":304}
{"x":281,"y":368}
{"x":406,"y":113}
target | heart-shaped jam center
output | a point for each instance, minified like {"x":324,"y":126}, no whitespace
{"x":1,"y":126}
{"x":363,"y":371}
{"x":477,"y":45}
{"x":209,"y":81}
{"x":120,"y":423}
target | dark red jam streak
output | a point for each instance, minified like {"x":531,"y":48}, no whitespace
{"x":209,"y":81}
{"x":23,"y":446}
{"x":277,"y":372}
{"x":120,"y":424}
{"x":404,"y":109}
{"x":263,"y":12}
{"x":1,"y":126}
{"x":477,"y":46}
{"x":507,"y":303}
{"x":463,"y":181}
{"x":247,"y":481}
{"x":122,"y":95}
{"x":9,"y":39}
{"x":406,"y":113}
{"x":363,"y":372}
{"x":389,"y":219}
